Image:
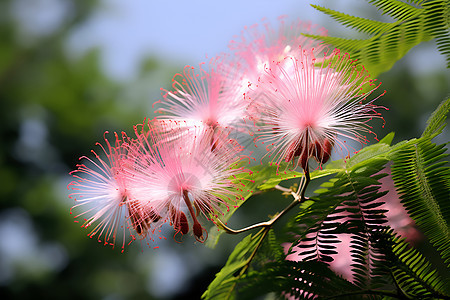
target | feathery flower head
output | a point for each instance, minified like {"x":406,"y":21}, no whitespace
{"x":100,"y":192}
{"x":177,"y":176}
{"x":308,"y":105}
{"x":205,"y":98}
{"x":259,"y":49}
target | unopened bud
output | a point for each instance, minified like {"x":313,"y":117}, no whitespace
{"x":294,"y":150}
{"x":322,"y":151}
{"x":183,"y":224}
{"x":140,"y":218}
{"x":198,"y":232}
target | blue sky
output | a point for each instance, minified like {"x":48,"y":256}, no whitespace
{"x":181,"y":31}
{"x":184,"y":32}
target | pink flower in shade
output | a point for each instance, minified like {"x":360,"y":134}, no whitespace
{"x":179,"y":177}
{"x":258,"y":49}
{"x":310,"y":105}
{"x":100,"y":194}
{"x":202,"y":98}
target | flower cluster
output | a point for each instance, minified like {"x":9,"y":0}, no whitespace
{"x":287,"y":90}
{"x":163,"y":175}
{"x":304,"y":104}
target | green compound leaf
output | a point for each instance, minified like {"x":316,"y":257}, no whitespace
{"x":436,"y":122}
{"x":295,"y":280}
{"x":347,"y":203}
{"x":422,"y":178}
{"x":388,"y":42}
{"x":412,"y":272}
{"x":411,"y":276}
{"x":223,"y":286}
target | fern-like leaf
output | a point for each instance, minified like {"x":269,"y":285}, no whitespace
{"x":347,"y":204}
{"x":223,"y":286}
{"x":437,"y":14}
{"x":436,"y":122}
{"x":397,"y":9}
{"x":422,"y":178}
{"x":408,"y":275}
{"x":388,"y":42}
{"x":413,"y":275}
{"x":296,"y":280}
{"x":360,"y":24}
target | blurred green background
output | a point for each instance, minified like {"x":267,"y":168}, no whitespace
{"x":55,"y":105}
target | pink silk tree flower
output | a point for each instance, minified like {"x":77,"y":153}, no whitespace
{"x":258,"y":49}
{"x":205,"y":98}
{"x":309,"y":105}
{"x":179,"y":177}
{"x":100,"y":194}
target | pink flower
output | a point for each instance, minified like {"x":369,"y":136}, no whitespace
{"x":100,"y":194}
{"x":202,"y":98}
{"x":178,"y":176}
{"x":258,"y":49}
{"x":310,"y":105}
{"x":166,"y":175}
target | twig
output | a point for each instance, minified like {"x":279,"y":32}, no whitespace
{"x":299,"y":196}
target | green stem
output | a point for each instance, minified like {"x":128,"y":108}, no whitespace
{"x":268,"y":225}
{"x":297,"y":199}
{"x":308,"y":179}
{"x":249,"y":260}
{"x":264,"y":232}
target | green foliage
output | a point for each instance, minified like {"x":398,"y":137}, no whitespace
{"x":422,"y":179}
{"x":262,"y":178}
{"x":350,"y":203}
{"x":412,"y":272}
{"x":415,"y":22}
{"x":436,"y":122}
{"x":346,"y":204}
{"x":295,"y":279}
{"x":351,"y":190}
{"x":223,"y":286}
{"x":274,"y":179}
{"x":404,"y":267}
